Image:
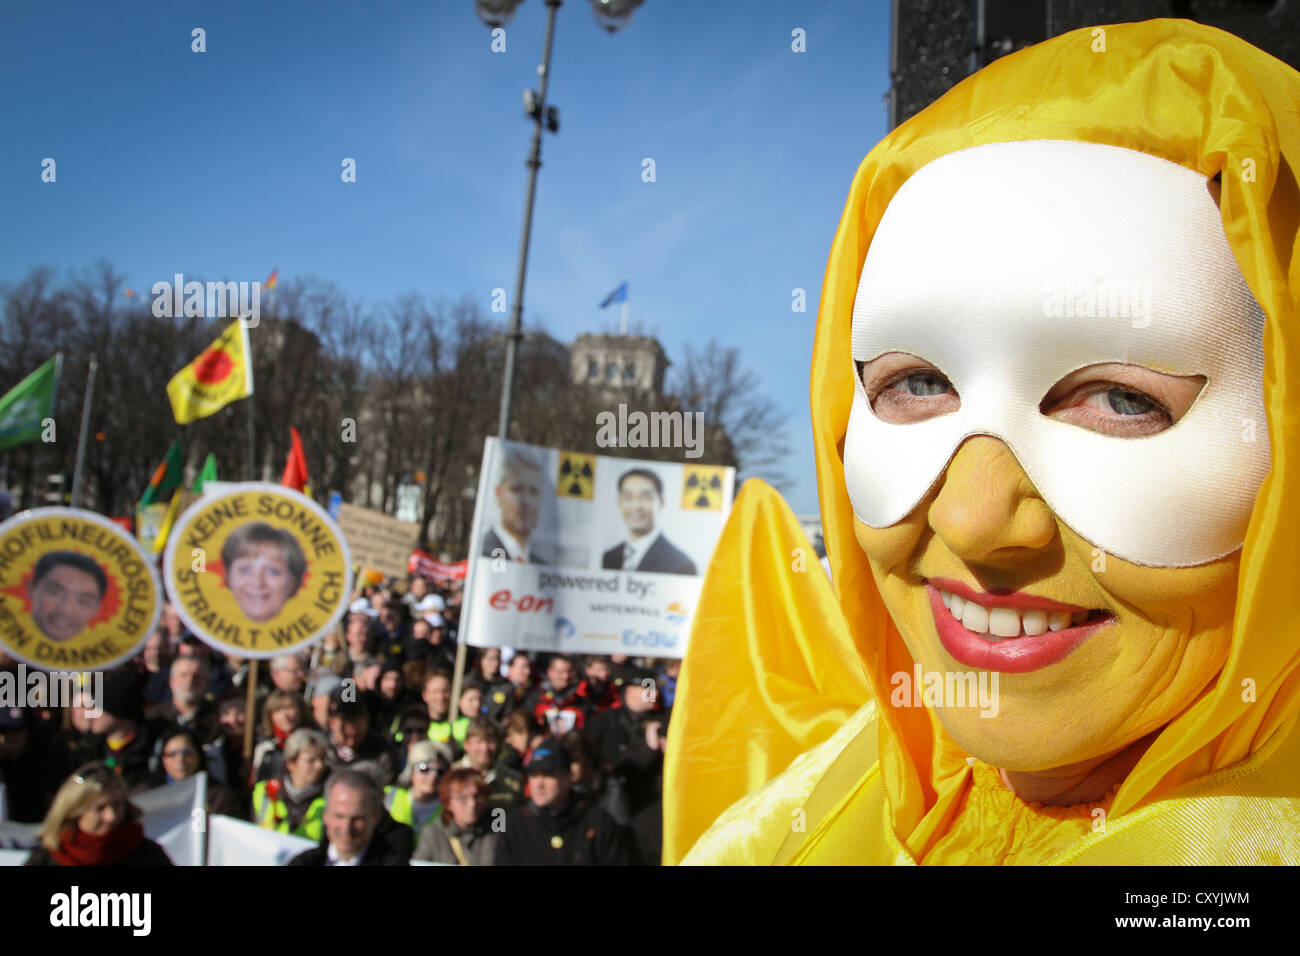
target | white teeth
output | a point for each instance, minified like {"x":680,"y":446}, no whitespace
{"x":975,"y":618}
{"x":1035,"y":622}
{"x":1004,"y":622}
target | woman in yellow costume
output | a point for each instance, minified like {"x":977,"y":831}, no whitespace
{"x":1057,"y":426}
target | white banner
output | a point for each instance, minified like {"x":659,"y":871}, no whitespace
{"x":175,"y":818}
{"x":590,"y":554}
{"x":234,"y":842}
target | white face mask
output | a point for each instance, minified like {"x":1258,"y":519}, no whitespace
{"x":1009,"y":266}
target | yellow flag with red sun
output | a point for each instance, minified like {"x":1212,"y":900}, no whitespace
{"x":221,"y":375}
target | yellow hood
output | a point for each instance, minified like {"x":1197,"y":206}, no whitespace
{"x":778,"y":660}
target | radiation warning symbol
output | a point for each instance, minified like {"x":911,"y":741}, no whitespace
{"x":702,"y":487}
{"x":577,"y":477}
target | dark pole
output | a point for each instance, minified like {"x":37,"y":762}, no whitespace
{"x":534,"y":162}
{"x":251,"y":476}
{"x":85,"y":432}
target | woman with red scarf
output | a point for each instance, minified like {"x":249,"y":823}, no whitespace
{"x":91,"y":823}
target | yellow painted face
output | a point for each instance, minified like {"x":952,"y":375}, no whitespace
{"x":984,"y":525}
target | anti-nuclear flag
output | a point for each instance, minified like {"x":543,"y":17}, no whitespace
{"x":28,"y":404}
{"x":221,"y":375}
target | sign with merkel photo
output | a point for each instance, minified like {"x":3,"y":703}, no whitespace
{"x":257,"y":570}
{"x":589,"y":554}
{"x":76,"y":590}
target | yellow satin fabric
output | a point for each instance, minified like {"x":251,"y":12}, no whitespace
{"x":782,"y":668}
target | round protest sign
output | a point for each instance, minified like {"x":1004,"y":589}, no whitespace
{"x":257,"y":570}
{"x":77,"y":591}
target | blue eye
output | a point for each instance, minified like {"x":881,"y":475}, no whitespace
{"x":1124,"y":402}
{"x":925,"y":383}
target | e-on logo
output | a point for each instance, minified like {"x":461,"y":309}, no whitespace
{"x":503,"y":600}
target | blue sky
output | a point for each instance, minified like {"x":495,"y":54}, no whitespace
{"x":224,"y":164}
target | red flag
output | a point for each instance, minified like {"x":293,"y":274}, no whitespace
{"x":295,"y":466}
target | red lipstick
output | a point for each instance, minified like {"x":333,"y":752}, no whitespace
{"x":1002,"y":597}
{"x":1011,"y":655}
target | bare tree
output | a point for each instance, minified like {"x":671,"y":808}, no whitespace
{"x":743,"y":426}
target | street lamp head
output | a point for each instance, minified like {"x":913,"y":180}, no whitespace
{"x":613,"y":15}
{"x":496,"y":13}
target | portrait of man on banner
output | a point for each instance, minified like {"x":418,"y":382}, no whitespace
{"x":641,"y":503}
{"x":519,"y":496}
{"x":66,"y":592}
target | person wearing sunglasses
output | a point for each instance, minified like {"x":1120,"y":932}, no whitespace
{"x":414,"y":800}
{"x":92,"y":823}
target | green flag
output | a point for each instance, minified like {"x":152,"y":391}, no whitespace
{"x":167,"y":478}
{"x":209,"y":473}
{"x":28,"y":404}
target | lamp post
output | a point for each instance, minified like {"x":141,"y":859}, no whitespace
{"x":612,"y":15}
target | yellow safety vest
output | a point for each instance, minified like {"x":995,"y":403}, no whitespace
{"x":401,"y":807}
{"x":274,"y":814}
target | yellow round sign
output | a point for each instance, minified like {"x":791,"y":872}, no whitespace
{"x":77,"y":591}
{"x":257,"y":570}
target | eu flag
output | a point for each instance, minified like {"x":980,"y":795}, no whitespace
{"x":618,"y":295}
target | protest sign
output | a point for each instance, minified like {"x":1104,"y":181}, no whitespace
{"x":76,"y":590}
{"x":590,"y":554}
{"x":377,"y":540}
{"x":257,"y":570}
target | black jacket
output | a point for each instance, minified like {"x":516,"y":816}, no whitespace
{"x":661,"y":556}
{"x":618,"y":737}
{"x":503,"y":698}
{"x":147,"y":853}
{"x":580,"y":835}
{"x":491,"y":544}
{"x":131,"y":762}
{"x":392,"y":845}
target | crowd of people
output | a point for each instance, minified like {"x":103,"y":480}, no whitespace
{"x":548,"y":760}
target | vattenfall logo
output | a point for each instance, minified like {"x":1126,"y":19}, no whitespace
{"x":77,"y":909}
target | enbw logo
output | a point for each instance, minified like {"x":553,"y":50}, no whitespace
{"x":633,"y":638}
